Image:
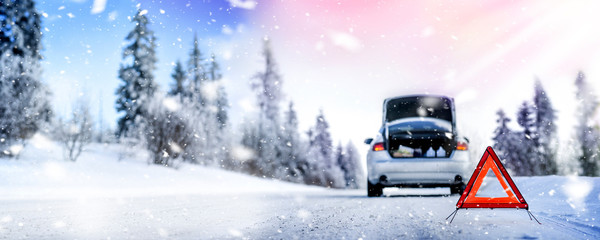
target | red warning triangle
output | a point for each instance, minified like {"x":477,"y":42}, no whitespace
{"x":490,"y":160}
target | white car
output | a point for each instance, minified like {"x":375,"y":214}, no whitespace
{"x":417,"y":146}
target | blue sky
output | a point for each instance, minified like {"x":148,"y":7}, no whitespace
{"x":82,"y":50}
{"x":343,"y":57}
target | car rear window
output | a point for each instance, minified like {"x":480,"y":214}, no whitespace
{"x":424,"y":106}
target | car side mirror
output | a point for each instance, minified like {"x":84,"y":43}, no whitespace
{"x":368,"y":141}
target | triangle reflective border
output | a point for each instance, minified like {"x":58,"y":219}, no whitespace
{"x":489,"y":161}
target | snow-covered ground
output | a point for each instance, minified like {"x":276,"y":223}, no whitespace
{"x":112,"y":193}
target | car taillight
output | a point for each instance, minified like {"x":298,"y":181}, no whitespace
{"x":462,"y":146}
{"x":378,"y":147}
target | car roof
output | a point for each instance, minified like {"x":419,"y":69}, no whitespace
{"x":418,"y":95}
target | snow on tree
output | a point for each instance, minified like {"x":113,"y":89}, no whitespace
{"x":75,"y":133}
{"x":267,"y":86}
{"x":21,"y":25}
{"x":527,"y":154}
{"x":196,"y":73}
{"x":323,"y":169}
{"x":214,"y":70}
{"x":339,"y":155}
{"x":545,"y":135}
{"x":525,"y":119}
{"x":505,"y":141}
{"x":178,"y":75}
{"x":349,"y":162}
{"x":293,"y":154}
{"x":221,"y":102}
{"x":26,"y":105}
{"x":586,"y":129}
{"x":218,"y":106}
{"x":169,"y":134}
{"x":197,"y":95}
{"x":531,"y":151}
{"x":250,"y":140}
{"x":138,"y":84}
{"x":265,"y":137}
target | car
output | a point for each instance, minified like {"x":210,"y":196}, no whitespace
{"x":417,"y":146}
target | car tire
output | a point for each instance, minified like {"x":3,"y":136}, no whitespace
{"x":374,"y":190}
{"x":458,"y":189}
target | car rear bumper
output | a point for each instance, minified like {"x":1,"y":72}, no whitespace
{"x":418,"y":172}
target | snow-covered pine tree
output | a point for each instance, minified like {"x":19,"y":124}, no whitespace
{"x":214,"y":70}
{"x":315,"y":164}
{"x":527,"y":151}
{"x":339,"y":158}
{"x":197,"y":96}
{"x":249,"y":140}
{"x":196,"y":73}
{"x":138,"y":84}
{"x":221,"y":102}
{"x":6,"y":14}
{"x":322,"y":165}
{"x":545,"y":131}
{"x":353,"y":156}
{"x":505,"y":142}
{"x":349,"y":162}
{"x":178,"y":75}
{"x":267,"y":86}
{"x":26,"y":104}
{"x":169,"y":133}
{"x":586,"y":129}
{"x":294,"y":150}
{"x":267,"y":140}
{"x":218,"y":112}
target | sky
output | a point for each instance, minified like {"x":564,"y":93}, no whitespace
{"x":341,"y":57}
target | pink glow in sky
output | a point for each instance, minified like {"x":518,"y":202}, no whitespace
{"x":354,"y":54}
{"x":344,"y":57}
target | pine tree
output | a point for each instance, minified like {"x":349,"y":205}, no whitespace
{"x":586,"y":130}
{"x":26,"y":104}
{"x":322,"y":166}
{"x":6,"y":16}
{"x":204,"y":146}
{"x":214,"y":70}
{"x":354,"y":173}
{"x":21,"y":25}
{"x":182,"y":127}
{"x":169,"y":134}
{"x":196,"y":73}
{"x":293,"y":156}
{"x":221,"y":102}
{"x":218,"y":112}
{"x":339,"y":158}
{"x":527,"y":156}
{"x":505,"y":141}
{"x":314,"y":173}
{"x":349,"y":162}
{"x":250,"y":140}
{"x":267,"y":86}
{"x":525,"y":119}
{"x":178,"y":75}
{"x":29,"y":22}
{"x":545,"y":134}
{"x":138,"y":85}
{"x":267,"y":137}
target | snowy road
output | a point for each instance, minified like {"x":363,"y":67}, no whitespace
{"x":311,"y":214}
{"x":102,"y":198}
